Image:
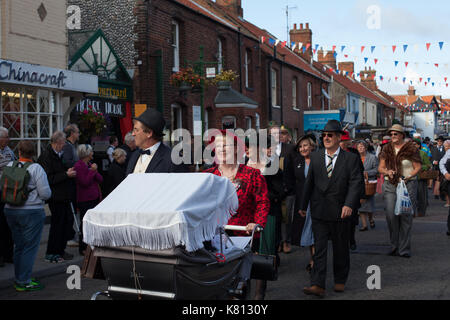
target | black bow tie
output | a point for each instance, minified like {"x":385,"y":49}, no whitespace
{"x":147,"y":152}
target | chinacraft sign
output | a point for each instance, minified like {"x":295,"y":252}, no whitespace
{"x":115,"y":108}
{"x":39,"y":76}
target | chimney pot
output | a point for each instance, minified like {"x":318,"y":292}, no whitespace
{"x":295,"y":26}
{"x":301,"y":26}
{"x":307,"y":26}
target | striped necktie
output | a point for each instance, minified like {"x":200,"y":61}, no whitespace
{"x":330,"y":165}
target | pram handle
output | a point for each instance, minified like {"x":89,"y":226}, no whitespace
{"x":242,"y":228}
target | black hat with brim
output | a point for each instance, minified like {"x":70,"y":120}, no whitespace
{"x":333,"y":126}
{"x":153,"y":119}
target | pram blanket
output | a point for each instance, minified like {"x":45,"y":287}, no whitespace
{"x":158,"y":211}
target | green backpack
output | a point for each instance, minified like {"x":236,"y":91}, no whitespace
{"x":14,"y":184}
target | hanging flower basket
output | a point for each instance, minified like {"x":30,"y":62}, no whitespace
{"x":224,"y":79}
{"x":185,"y":79}
{"x":91,"y":123}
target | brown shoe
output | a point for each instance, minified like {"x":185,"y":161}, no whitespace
{"x":287,"y":248}
{"x":314,"y":290}
{"x":339,"y":288}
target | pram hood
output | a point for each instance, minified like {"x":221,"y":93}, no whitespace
{"x":158,"y":211}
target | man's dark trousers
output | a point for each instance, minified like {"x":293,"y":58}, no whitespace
{"x":339,"y":233}
{"x":61,"y":227}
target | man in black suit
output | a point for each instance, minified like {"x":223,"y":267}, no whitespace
{"x":437,"y":153}
{"x":333,"y":188}
{"x":152,"y":156}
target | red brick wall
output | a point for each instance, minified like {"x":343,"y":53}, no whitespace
{"x":195,"y":31}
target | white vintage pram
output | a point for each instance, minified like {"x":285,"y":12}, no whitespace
{"x":149,"y":236}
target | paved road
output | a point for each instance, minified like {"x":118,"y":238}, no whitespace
{"x":425,"y":276}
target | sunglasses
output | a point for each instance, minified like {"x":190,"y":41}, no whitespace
{"x":329,"y":135}
{"x":394,"y":134}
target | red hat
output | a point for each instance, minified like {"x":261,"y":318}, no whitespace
{"x":345,"y":136}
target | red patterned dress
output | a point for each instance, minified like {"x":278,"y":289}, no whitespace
{"x":254,"y":203}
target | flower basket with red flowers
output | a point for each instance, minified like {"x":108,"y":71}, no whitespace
{"x":92,"y":123}
{"x":186,"y":79}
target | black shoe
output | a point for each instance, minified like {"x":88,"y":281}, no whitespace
{"x":364,"y":229}
{"x":393,"y":253}
{"x":406,"y":255}
{"x":436,"y":197}
{"x":67,"y":256}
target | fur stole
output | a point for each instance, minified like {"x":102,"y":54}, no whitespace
{"x":394,"y":162}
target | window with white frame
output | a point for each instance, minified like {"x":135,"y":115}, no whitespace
{"x":219,"y":55}
{"x":176,"y":45}
{"x":229,"y":122}
{"x":274,"y":88}
{"x":309,"y":95}
{"x":294,"y":93}
{"x":30,"y":114}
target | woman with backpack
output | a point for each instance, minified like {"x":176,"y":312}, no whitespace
{"x":25,"y":216}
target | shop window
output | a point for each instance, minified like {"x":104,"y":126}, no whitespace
{"x":30,"y":114}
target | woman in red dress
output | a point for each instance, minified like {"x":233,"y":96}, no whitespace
{"x":251,"y":187}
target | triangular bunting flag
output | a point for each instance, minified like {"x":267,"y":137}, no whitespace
{"x":283,"y":44}
{"x":375,"y":60}
{"x":441,"y":44}
{"x":271,"y":41}
{"x":362,"y":49}
{"x":445,"y":79}
{"x":372,"y":49}
{"x":393,"y":48}
{"x":396,"y":63}
{"x":420,"y":79}
{"x":346,"y":55}
{"x":334,"y":48}
{"x":342,"y":48}
{"x":437,"y":65}
{"x":406,"y":64}
{"x":428,"y":46}
{"x":308,"y":45}
{"x":366,"y":59}
{"x":300,"y":45}
{"x":263,"y":39}
{"x":405,"y":47}
{"x":293,"y":46}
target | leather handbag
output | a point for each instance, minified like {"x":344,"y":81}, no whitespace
{"x":371,"y":188}
{"x":264,"y":266}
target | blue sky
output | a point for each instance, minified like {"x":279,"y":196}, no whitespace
{"x":345,"y":23}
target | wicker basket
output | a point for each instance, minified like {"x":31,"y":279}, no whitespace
{"x":430,"y":174}
{"x":371,"y":187}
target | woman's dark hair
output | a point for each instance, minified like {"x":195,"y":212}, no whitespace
{"x":310,"y":138}
{"x":27,"y":149}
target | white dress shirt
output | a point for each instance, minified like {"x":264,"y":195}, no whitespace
{"x":327,"y":160}
{"x":145,"y":159}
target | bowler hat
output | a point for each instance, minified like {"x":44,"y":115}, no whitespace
{"x":440,"y":138}
{"x":333,"y":126}
{"x":153,"y":119}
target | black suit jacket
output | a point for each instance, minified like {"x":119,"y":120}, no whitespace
{"x":328,"y":196}
{"x":161,"y":162}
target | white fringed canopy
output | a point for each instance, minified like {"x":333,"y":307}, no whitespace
{"x":158,"y":211}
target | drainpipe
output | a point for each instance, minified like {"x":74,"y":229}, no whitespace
{"x":240,"y":59}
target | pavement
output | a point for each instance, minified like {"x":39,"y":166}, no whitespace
{"x":425,"y":276}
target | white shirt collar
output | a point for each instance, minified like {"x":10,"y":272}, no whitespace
{"x":336,"y":153}
{"x":153,"y":148}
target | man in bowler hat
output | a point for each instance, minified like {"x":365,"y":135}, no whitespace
{"x":333,"y":189}
{"x":151,"y":155}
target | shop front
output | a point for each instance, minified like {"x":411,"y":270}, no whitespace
{"x":35,"y":100}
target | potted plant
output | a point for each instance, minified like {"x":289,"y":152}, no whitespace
{"x":185,"y":79}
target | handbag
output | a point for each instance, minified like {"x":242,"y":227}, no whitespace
{"x":264,"y":266}
{"x":428,"y":174}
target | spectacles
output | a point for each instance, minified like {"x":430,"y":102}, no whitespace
{"x":329,"y":135}
{"x":394,"y":134}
